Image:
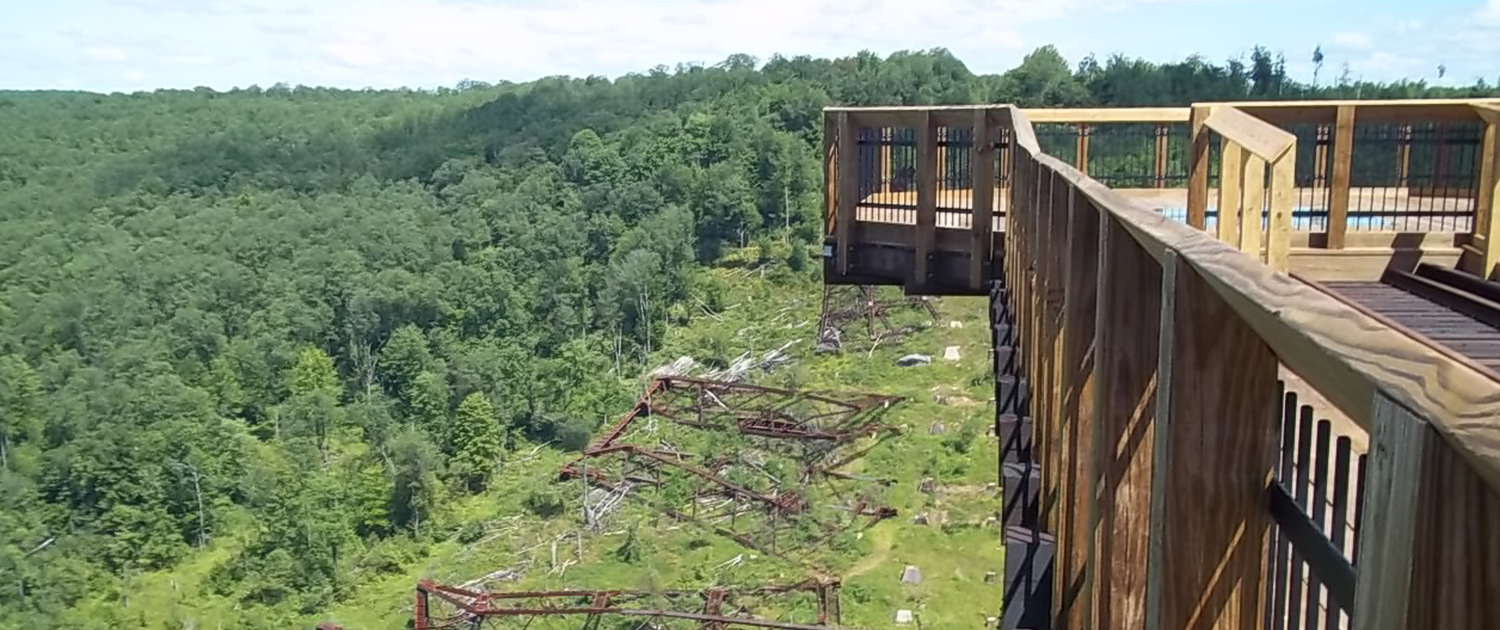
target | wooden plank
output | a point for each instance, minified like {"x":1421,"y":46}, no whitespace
{"x":1199,"y":140}
{"x":1108,"y":115}
{"x":1082,"y":150}
{"x":1222,"y":438}
{"x":926,"y":197}
{"x":1126,"y":347}
{"x":1255,"y":135}
{"x":1320,"y":156}
{"x":1076,"y":444}
{"x":1279,"y":221}
{"x":830,"y":172}
{"x":1231,"y":191}
{"x":1251,"y":221}
{"x":1343,"y":158}
{"x":983,"y":177}
{"x":1387,"y":531}
{"x":1163,"y":135}
{"x":1054,"y":264}
{"x":848,"y":192}
{"x":1489,"y":198}
{"x":1456,"y":560}
{"x":1156,"y":551}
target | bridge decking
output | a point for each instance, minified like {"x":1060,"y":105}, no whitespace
{"x":1446,"y":327}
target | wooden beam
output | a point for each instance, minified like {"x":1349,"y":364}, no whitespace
{"x":1125,"y":363}
{"x":1388,"y":528}
{"x":1254,"y":182}
{"x":1161,"y":447}
{"x":1071,"y":589}
{"x":1343,"y":159}
{"x":1320,"y":156}
{"x":848,"y":192}
{"x":1403,"y":158}
{"x":926,"y":197}
{"x":983,"y":177}
{"x":1231,"y":191}
{"x":1163,"y":135}
{"x":1082,"y":152}
{"x":830,"y":172}
{"x":1198,"y":143}
{"x":1489,"y":198}
{"x":1220,"y":435}
{"x":1279,"y":220}
{"x":1108,"y":115}
{"x":1257,"y":136}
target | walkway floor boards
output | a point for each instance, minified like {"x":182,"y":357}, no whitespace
{"x":1458,"y":332}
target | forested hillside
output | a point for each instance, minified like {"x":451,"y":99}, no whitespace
{"x":276,"y":333}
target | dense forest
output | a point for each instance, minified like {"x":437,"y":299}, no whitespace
{"x":305,"y":317}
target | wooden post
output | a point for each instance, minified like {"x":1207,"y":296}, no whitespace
{"x":983,"y":208}
{"x":926,"y":228}
{"x":1231,"y":170}
{"x":1489,"y":198}
{"x":1081,"y":287}
{"x":1197,"y":201}
{"x":848,"y":192}
{"x":1320,"y":156}
{"x":1398,"y":443}
{"x":1254,"y":182}
{"x":1054,"y":305}
{"x":830,"y":171}
{"x":1219,"y":429}
{"x":1161,"y":447}
{"x":1163,"y":135}
{"x":1343,"y":157}
{"x":1403,"y":158}
{"x":885,"y":160}
{"x":1279,"y":221}
{"x":1083,"y":149}
{"x":1125,"y":362}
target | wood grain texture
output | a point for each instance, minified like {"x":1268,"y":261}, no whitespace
{"x":1054,"y":269}
{"x":1222,"y":439}
{"x":847,"y":191}
{"x":1082,"y":150}
{"x":1454,"y":586}
{"x":1199,"y":140}
{"x":1231,"y":178}
{"x":1343,"y":158}
{"x":1398,"y":446}
{"x":927,"y":151}
{"x":1076,"y":442}
{"x":1489,"y":197}
{"x":1254,"y":195}
{"x":984,"y":189}
{"x":830,"y":173}
{"x":1279,"y":217}
{"x":1256,"y":136}
{"x":1125,"y":408}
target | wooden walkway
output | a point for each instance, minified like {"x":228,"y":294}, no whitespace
{"x":1447,"y":328}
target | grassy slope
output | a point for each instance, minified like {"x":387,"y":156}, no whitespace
{"x":953,"y":552}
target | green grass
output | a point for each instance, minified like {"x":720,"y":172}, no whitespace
{"x":953,"y":551}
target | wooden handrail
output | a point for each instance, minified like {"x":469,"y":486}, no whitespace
{"x":1267,"y":141}
{"x":1348,"y":356}
{"x":1092,"y":115}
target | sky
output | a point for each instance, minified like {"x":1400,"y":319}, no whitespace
{"x":129,"y":45}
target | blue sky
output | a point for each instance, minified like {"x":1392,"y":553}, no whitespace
{"x":125,"y":45}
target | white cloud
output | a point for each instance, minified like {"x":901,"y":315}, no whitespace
{"x":1352,"y":39}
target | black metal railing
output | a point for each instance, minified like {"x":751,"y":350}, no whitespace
{"x":1315,"y":505}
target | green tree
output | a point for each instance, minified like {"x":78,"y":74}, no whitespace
{"x":475,"y":442}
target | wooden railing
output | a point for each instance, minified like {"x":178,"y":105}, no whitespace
{"x":1153,"y":351}
{"x":1364,"y":175}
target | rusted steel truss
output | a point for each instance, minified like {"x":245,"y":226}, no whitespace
{"x":844,"y":305}
{"x":743,"y":422}
{"x":439,"y":607}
